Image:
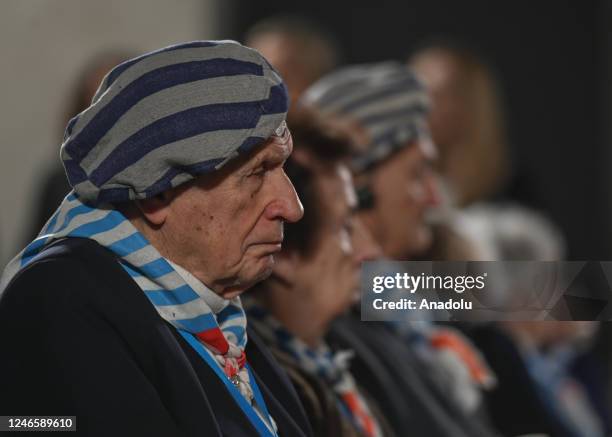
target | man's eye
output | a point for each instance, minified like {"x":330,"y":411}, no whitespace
{"x":260,"y":171}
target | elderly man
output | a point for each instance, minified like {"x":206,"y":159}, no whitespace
{"x":124,"y":312}
{"x":385,"y":107}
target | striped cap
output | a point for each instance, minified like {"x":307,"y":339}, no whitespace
{"x":385,"y":99}
{"x":168,"y":116}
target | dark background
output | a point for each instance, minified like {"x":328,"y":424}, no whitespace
{"x":553,"y":61}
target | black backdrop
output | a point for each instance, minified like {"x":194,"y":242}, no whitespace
{"x":553,"y":61}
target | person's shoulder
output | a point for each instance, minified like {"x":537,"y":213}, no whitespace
{"x":60,"y":273}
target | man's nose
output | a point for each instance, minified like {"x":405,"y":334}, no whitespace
{"x":286,"y":204}
{"x":364,"y":245}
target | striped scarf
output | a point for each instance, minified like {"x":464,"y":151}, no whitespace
{"x":331,"y":367}
{"x":178,"y":297}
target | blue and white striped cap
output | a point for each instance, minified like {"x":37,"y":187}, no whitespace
{"x":385,"y":99}
{"x":167,"y":116}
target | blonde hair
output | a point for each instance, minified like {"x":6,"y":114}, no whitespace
{"x":474,"y":160}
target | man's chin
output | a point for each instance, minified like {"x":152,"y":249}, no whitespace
{"x":262,"y":272}
{"x":265,"y":269}
{"x":265,"y":274}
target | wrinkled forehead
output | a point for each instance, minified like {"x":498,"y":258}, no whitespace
{"x":278,"y":146}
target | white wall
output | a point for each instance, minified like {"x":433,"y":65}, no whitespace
{"x":43,"y":46}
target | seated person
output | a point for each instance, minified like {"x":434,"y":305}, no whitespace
{"x":125,"y":311}
{"x":385,"y":106}
{"x":536,"y":392}
{"x":314,"y":280}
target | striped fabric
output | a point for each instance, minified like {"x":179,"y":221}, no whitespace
{"x":165,"y":117}
{"x":320,"y":361}
{"x":182,"y":305}
{"x":156,"y":122}
{"x":385,"y":99}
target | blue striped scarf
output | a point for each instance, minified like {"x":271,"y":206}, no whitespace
{"x":175,"y":301}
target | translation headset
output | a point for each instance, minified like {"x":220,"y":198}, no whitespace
{"x":365,"y":197}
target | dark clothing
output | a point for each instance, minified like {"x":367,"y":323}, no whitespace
{"x":81,"y":339}
{"x":321,"y":403}
{"x":515,"y":407}
{"x":592,"y":370}
{"x":589,"y":369}
{"x":394,"y":375}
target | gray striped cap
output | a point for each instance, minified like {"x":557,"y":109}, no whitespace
{"x":385,"y":99}
{"x":168,"y":116}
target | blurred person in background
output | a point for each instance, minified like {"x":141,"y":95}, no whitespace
{"x":533,"y":360}
{"x":299,"y":50}
{"x":468,"y":124}
{"x":54,"y":186}
{"x":125,"y":311}
{"x":385,"y":107}
{"x":466,"y":120}
{"x":536,"y":391}
{"x":316,"y":279}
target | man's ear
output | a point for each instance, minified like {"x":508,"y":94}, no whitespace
{"x":285,"y":265}
{"x":155,"y":209}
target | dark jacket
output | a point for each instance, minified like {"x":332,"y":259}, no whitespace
{"x":400,"y":383}
{"x":321,"y":404}
{"x":80,"y":338}
{"x":515,"y":405}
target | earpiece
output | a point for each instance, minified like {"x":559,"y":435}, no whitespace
{"x":365,"y":197}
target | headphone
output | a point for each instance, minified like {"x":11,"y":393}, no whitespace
{"x":365,"y":197}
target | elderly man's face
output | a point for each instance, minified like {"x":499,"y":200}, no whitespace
{"x":404,"y":188}
{"x":226,"y":227}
